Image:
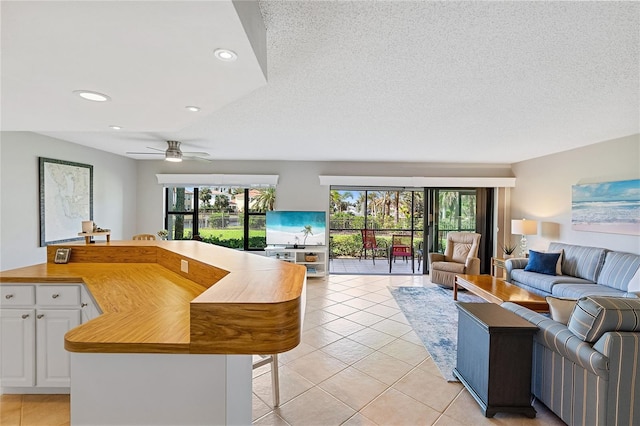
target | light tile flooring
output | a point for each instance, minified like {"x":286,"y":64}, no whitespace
{"x":355,"y":266}
{"x":359,"y":363}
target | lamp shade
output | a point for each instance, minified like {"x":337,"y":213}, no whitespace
{"x":524,"y":227}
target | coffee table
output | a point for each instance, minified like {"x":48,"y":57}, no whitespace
{"x":497,"y":291}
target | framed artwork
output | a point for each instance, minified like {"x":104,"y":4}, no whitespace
{"x":66,"y":199}
{"x":611,"y":207}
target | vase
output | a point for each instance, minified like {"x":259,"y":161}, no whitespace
{"x":87,"y":226}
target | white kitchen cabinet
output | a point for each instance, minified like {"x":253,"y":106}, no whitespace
{"x":34,"y":319}
{"x":52,"y":360}
{"x":17,"y":349}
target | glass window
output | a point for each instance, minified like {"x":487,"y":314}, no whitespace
{"x":227,"y":216}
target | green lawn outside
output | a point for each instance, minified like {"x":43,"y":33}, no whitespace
{"x":230,"y":233}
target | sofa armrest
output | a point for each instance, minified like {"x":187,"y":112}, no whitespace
{"x":622,"y":348}
{"x":436,"y":257}
{"x":558,"y":338}
{"x":472,"y":266}
{"x":514,"y":263}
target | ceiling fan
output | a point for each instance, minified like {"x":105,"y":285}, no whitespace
{"x":174,"y":153}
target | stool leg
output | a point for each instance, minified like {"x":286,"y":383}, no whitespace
{"x":275,"y":380}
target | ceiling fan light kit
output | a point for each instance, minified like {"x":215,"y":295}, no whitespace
{"x":173,"y":152}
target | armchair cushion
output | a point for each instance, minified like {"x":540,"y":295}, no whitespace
{"x":460,"y":252}
{"x":595,"y":315}
{"x":458,"y":268}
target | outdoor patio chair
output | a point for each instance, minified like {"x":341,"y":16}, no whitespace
{"x":401,"y":246}
{"x":369,"y":242}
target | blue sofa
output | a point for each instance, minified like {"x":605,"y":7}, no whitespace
{"x":586,"y":271}
{"x":588,"y":372}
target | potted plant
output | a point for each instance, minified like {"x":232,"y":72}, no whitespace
{"x":508,"y":250}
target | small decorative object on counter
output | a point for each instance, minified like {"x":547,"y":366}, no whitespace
{"x":87,"y":226}
{"x":163,"y":234}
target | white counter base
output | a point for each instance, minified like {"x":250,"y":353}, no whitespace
{"x":160,"y":389}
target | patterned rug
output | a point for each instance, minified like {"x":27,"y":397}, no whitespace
{"x":433,"y":315}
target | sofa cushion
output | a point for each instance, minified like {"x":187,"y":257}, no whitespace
{"x":543,"y":282}
{"x":618,"y":269}
{"x":560,"y":309}
{"x":577,"y":291}
{"x":595,"y":315}
{"x":580,"y":261}
{"x":543,"y":263}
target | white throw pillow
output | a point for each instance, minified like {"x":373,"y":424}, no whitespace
{"x":561,"y":309}
{"x":559,"y":264}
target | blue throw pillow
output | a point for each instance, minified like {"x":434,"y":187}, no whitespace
{"x":543,"y":263}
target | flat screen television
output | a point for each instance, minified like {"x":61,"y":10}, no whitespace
{"x":289,"y":228}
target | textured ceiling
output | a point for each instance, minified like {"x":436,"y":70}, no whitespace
{"x":472,"y":82}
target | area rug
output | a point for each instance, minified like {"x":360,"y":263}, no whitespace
{"x":433,"y":315}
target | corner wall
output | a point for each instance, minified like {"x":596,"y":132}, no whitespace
{"x":543,"y":191}
{"x":114,"y":193}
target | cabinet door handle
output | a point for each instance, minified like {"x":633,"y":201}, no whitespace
{"x":25,"y":316}
{"x":8,"y":296}
{"x":39,"y":316}
{"x":55,"y":295}
{"x":84,"y":305}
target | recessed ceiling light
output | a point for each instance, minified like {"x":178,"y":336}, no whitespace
{"x":92,"y":96}
{"x":115,"y":127}
{"x":225,"y":55}
{"x":192,"y":108}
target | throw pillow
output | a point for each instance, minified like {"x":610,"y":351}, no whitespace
{"x":559,"y":264}
{"x":543,"y":263}
{"x":561,"y":309}
{"x":595,"y":315}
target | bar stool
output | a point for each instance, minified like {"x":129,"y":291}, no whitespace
{"x":275,"y":381}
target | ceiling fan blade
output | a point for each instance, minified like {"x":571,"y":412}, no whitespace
{"x":194,"y":154}
{"x":144,"y":153}
{"x":199,"y":159}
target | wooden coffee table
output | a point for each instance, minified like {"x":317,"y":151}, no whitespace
{"x":497,"y":291}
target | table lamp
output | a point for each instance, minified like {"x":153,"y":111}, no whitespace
{"x":524,"y":227}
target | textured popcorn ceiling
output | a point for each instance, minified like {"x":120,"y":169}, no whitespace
{"x":477,"y":82}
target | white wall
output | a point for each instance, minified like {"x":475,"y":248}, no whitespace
{"x":543,"y":190}
{"x":114,"y":193}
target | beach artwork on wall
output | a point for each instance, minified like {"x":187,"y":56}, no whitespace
{"x":611,"y":207}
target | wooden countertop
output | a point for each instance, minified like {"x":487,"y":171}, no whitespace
{"x":230,"y":302}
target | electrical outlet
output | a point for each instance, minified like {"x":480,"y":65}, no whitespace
{"x":184,"y":266}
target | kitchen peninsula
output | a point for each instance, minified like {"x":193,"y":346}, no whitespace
{"x":180,"y":322}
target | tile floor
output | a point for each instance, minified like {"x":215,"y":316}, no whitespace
{"x":359,"y":363}
{"x":353,"y":266}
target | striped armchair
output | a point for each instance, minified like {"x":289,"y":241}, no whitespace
{"x":587,"y":372}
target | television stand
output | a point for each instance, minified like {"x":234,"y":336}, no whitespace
{"x":316,"y":266}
